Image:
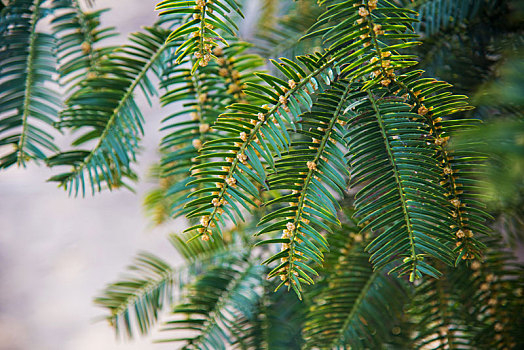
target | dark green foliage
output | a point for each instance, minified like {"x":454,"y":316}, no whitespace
{"x":281,"y":319}
{"x":472,"y":308}
{"x":500,"y":139}
{"x":27,"y":108}
{"x":312,"y":169}
{"x":249,"y":136}
{"x":140,"y":296}
{"x":105,"y":110}
{"x":291,"y":141}
{"x":376,"y":52}
{"x":135,"y":301}
{"x":357,"y":307}
{"x":336,"y":176}
{"x":78,"y":36}
{"x":216,"y":304}
{"x":408,"y":202}
{"x":204,"y":94}
{"x":200,"y":33}
{"x":472,"y":43}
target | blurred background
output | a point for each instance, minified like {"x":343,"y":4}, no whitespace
{"x":57,"y":253}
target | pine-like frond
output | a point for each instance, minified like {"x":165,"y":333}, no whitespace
{"x":135,"y":302}
{"x":311,"y":170}
{"x":356,"y":307}
{"x":29,"y":102}
{"x":104,"y":109}
{"x":204,"y":94}
{"x":400,"y":196}
{"x":214,"y":304}
{"x":200,"y":33}
{"x":356,"y":32}
{"x":78,"y":34}
{"x":379,"y":31}
{"x":459,"y":177}
{"x":251,"y":135}
{"x":138,"y":298}
{"x":373,"y":49}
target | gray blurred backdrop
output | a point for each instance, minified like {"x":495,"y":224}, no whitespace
{"x":57,"y":253}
